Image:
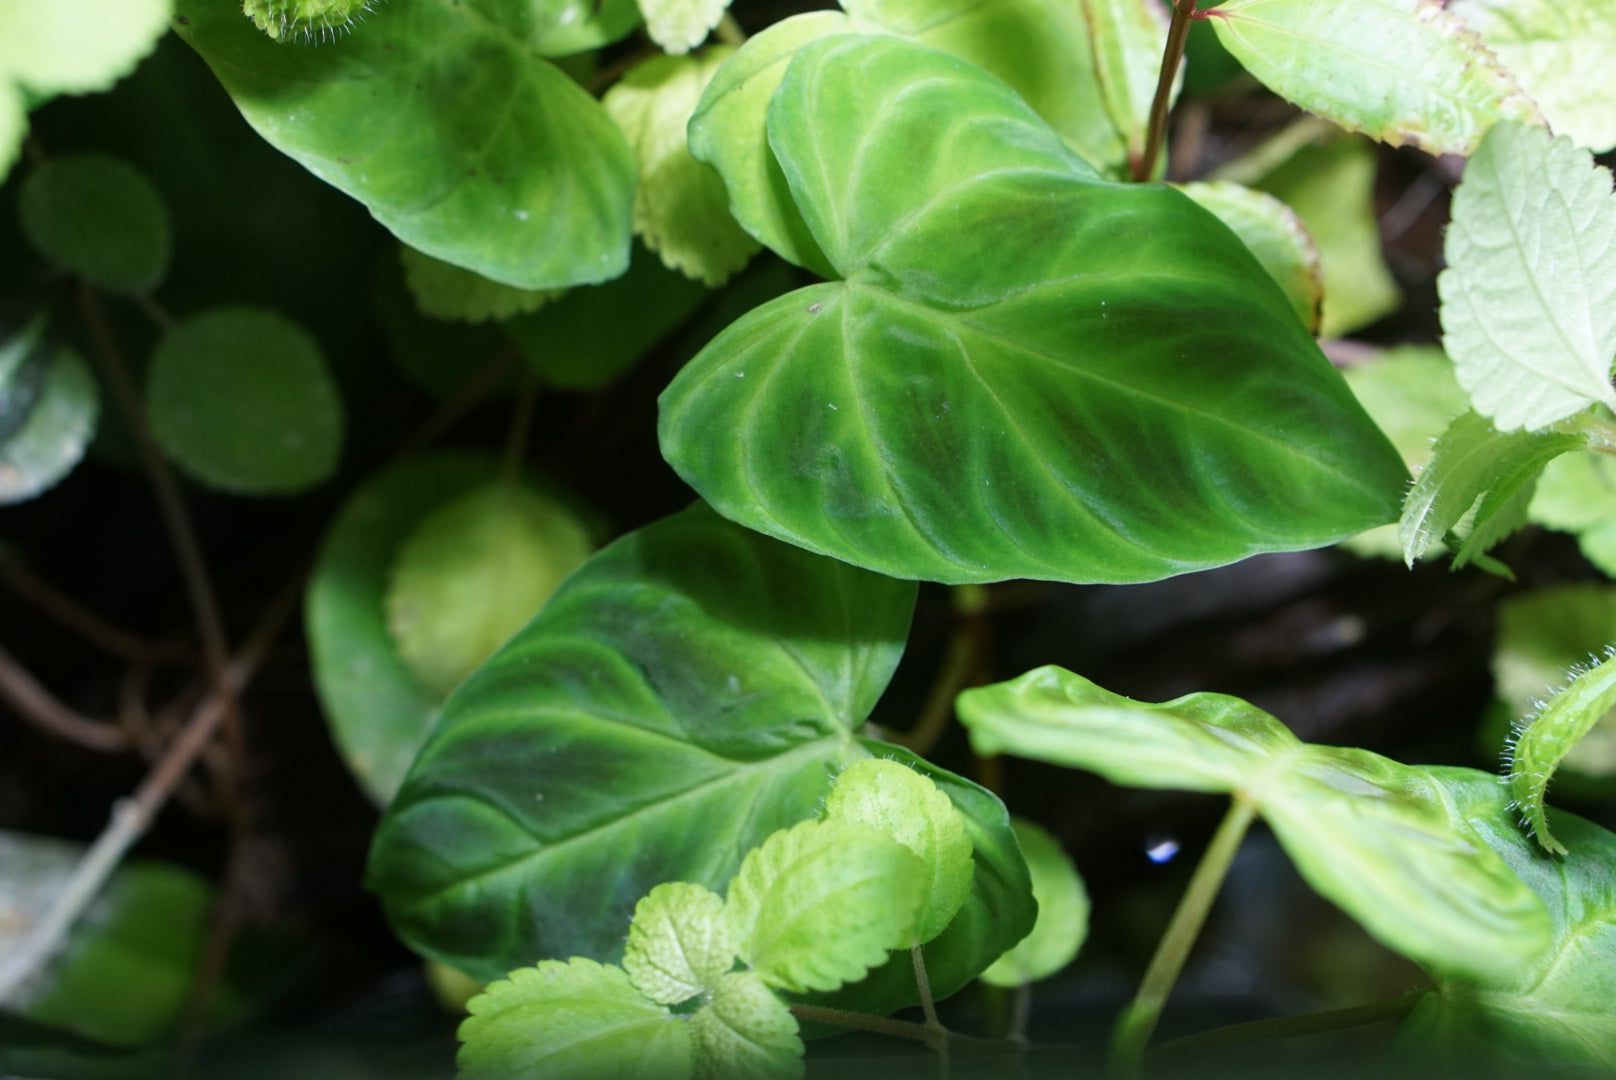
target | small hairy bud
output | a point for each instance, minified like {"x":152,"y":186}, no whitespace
{"x":310,"y":19}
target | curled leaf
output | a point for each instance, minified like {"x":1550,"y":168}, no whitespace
{"x":1538,"y":748}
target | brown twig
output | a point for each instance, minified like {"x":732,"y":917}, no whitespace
{"x":1172,"y":57}
{"x":38,"y":706}
{"x":87,"y":624}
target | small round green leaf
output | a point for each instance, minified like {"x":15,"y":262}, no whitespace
{"x":242,"y":400}
{"x":1063,"y":913}
{"x":474,"y":573}
{"x":445,"y":291}
{"x":48,"y":411}
{"x":679,"y":944}
{"x":819,"y":904}
{"x":746,"y":1031}
{"x":908,"y":807}
{"x":100,"y":217}
{"x":572,"y":1020}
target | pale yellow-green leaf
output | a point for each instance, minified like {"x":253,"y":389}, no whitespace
{"x":680,"y":208}
{"x":13,"y":125}
{"x":76,"y":46}
{"x":1529,"y":295}
{"x":678,"y":945}
{"x":745,"y":1032}
{"x":1275,"y":235}
{"x":1063,"y":913}
{"x":680,"y":25}
{"x":445,"y":291}
{"x":1401,"y":71}
{"x":1561,"y":53}
{"x":1577,"y":494}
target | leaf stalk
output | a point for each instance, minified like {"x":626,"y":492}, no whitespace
{"x":1178,"y":33}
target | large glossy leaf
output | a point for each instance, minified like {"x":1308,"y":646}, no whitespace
{"x":1529,"y":295}
{"x":1402,"y":71}
{"x":690,"y":690}
{"x":1024,"y":371}
{"x":1275,"y":235}
{"x":378,"y":710}
{"x":1380,"y":839}
{"x":447,"y":123}
{"x":1556,"y":1013}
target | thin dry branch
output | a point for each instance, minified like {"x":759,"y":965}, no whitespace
{"x":38,"y":706}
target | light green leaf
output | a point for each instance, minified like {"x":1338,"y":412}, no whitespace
{"x":1474,"y":468}
{"x":745,"y":1032}
{"x":125,"y":975}
{"x":378,"y":711}
{"x":679,"y":945}
{"x":13,"y":125}
{"x":1331,"y":188}
{"x":242,"y":400}
{"x":99,"y":217}
{"x":680,"y":208}
{"x":1380,"y":839}
{"x":573,"y":1020}
{"x":1529,"y":295}
{"x":1063,"y":913}
{"x":819,"y":904}
{"x":48,"y":411}
{"x":77,"y":46}
{"x":906,"y":806}
{"x":473,"y":573}
{"x":1538,"y":748}
{"x":1129,"y":38}
{"x":941,"y":412}
{"x":1555,"y":1014}
{"x":680,"y":25}
{"x":1577,"y":494}
{"x":1275,"y":235}
{"x":689,"y":690}
{"x":1559,"y":51}
{"x":1401,"y":71}
{"x":445,"y":291}
{"x":445,"y":121}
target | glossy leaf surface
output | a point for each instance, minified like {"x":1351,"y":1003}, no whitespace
{"x":573,"y":1020}
{"x":99,"y":217}
{"x":1552,"y":734}
{"x":1559,"y":50}
{"x":378,"y":710}
{"x":906,"y":806}
{"x":1063,"y":913}
{"x":1557,"y":1012}
{"x":1401,"y":71}
{"x":242,"y":400}
{"x":1475,"y":468}
{"x":679,"y":944}
{"x":820,"y":904}
{"x":1002,"y":385}
{"x":447,"y":123}
{"x":48,"y":411}
{"x":1275,"y":235}
{"x":689,"y":690}
{"x":680,"y":210}
{"x":446,"y":291}
{"x":745,"y":1030}
{"x":1378,"y":838}
{"x":1529,"y":295}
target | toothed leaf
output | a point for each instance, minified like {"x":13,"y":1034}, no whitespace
{"x":679,"y":944}
{"x":746,"y":1031}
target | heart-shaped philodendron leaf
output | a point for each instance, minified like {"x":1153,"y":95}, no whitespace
{"x":1024,"y":371}
{"x":447,"y":122}
{"x":1537,"y":749}
{"x":1556,"y":1011}
{"x":687,"y":692}
{"x":1381,"y":839}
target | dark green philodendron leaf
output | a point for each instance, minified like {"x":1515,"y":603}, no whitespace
{"x":1402,"y":71}
{"x":688,"y":691}
{"x":48,"y":411}
{"x":1380,"y":839}
{"x":1275,"y":235}
{"x":908,"y":807}
{"x":473,"y":573}
{"x":1545,"y":637}
{"x":746,"y":1031}
{"x":1477,"y":474}
{"x":1538,"y":748}
{"x":1041,"y":48}
{"x":1063,"y":913}
{"x":1556,"y":1013}
{"x":99,"y":217}
{"x":242,"y":400}
{"x":1025,"y":371}
{"x":679,"y":945}
{"x":446,"y":121}
{"x":378,"y":710}
{"x":820,"y":904}
{"x":125,"y":975}
{"x":446,"y":291}
{"x":572,"y":1020}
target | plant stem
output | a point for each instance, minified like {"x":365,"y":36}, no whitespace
{"x":729,"y":31}
{"x":521,"y":421}
{"x":34,"y":703}
{"x":1138,"y":1021}
{"x":881,"y":1025}
{"x":86,"y":623}
{"x":1286,"y":1027}
{"x":1177,"y":34}
{"x":962,"y":666}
